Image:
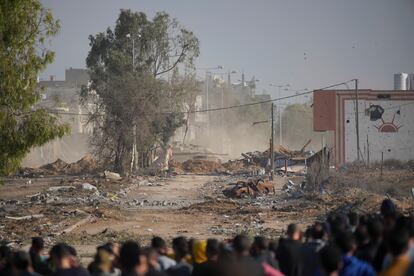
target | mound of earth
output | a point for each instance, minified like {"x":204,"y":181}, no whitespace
{"x":202,"y":166}
{"x":58,"y":166}
{"x":85,"y":165}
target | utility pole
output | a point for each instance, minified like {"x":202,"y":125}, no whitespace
{"x":357,"y":119}
{"x":280,"y":120}
{"x":207,"y":107}
{"x":133,"y":55}
{"x":134,"y":157}
{"x":272,"y":152}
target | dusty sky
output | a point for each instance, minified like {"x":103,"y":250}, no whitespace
{"x":306,"y":43}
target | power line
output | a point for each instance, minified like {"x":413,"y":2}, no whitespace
{"x":268,"y":101}
{"x":233,"y":106}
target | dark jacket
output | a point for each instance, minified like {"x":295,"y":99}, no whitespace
{"x":207,"y":268}
{"x":75,"y":271}
{"x":290,"y":257}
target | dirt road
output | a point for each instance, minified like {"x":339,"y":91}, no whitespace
{"x":161,"y":218}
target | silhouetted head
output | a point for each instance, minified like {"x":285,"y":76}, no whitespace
{"x":241,"y":245}
{"x":294,"y":232}
{"x":61,"y":255}
{"x":260,"y":245}
{"x":317,"y":231}
{"x":212,"y":249}
{"x":180,"y":247}
{"x":388,"y":208}
{"x":38,"y":244}
{"x":330,"y":259}
{"x":159,"y":244}
{"x":21,"y":261}
{"x":130,"y":256}
{"x":346,"y":242}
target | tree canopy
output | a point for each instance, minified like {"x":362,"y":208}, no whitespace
{"x":135,"y":82}
{"x":24,"y":28}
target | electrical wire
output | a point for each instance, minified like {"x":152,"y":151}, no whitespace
{"x":227,"y":107}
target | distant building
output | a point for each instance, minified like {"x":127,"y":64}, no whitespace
{"x":214,"y":129}
{"x":74,"y":78}
{"x":386,"y":123}
{"x":61,"y":97}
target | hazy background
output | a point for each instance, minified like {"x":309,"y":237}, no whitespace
{"x":306,"y":43}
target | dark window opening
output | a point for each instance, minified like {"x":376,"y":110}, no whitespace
{"x":384,"y":96}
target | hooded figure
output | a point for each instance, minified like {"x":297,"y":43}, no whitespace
{"x":199,"y":252}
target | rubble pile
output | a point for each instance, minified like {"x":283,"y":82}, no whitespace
{"x":243,"y":167}
{"x":202,"y":166}
{"x":60,"y":209}
{"x":176,"y":167}
{"x":86,"y":165}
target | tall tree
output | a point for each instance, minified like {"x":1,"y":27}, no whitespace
{"x":24,"y":27}
{"x":129,"y":67}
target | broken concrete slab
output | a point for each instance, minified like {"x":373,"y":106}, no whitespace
{"x":112,"y":175}
{"x":60,"y":188}
{"x":25,"y":217}
{"x":89,"y":187}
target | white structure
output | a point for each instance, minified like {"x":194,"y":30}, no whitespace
{"x":410,"y":82}
{"x":386,"y":125}
{"x":390,"y":134}
{"x":400,"y":81}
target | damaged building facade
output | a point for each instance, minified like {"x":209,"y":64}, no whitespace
{"x":61,"y":97}
{"x":228,"y":131}
{"x":386,"y":125}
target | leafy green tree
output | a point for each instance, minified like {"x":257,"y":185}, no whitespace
{"x":297,"y":123}
{"x":24,"y":27}
{"x":130,"y":87}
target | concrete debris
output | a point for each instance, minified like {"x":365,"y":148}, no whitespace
{"x":293,"y":189}
{"x":60,"y":188}
{"x":74,"y":226}
{"x":89,"y":187}
{"x":25,"y":217}
{"x":112,"y":175}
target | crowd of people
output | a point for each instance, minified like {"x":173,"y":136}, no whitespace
{"x":351,"y":244}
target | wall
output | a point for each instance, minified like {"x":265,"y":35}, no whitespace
{"x":392,"y":133}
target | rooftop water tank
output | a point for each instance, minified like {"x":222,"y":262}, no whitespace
{"x":400,"y":81}
{"x":410,"y":82}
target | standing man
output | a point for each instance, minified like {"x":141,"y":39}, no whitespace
{"x":168,"y":158}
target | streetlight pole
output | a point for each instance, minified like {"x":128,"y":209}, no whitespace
{"x":134,"y":154}
{"x":279,"y":109}
{"x":357,"y":118}
{"x":280,"y":120}
{"x":272,"y":143}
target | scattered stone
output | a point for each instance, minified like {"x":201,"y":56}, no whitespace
{"x":89,"y":187}
{"x":60,"y":188}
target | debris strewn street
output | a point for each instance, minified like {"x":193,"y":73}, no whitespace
{"x":94,"y":208}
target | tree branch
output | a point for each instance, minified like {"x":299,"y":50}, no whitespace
{"x":175,"y":63}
